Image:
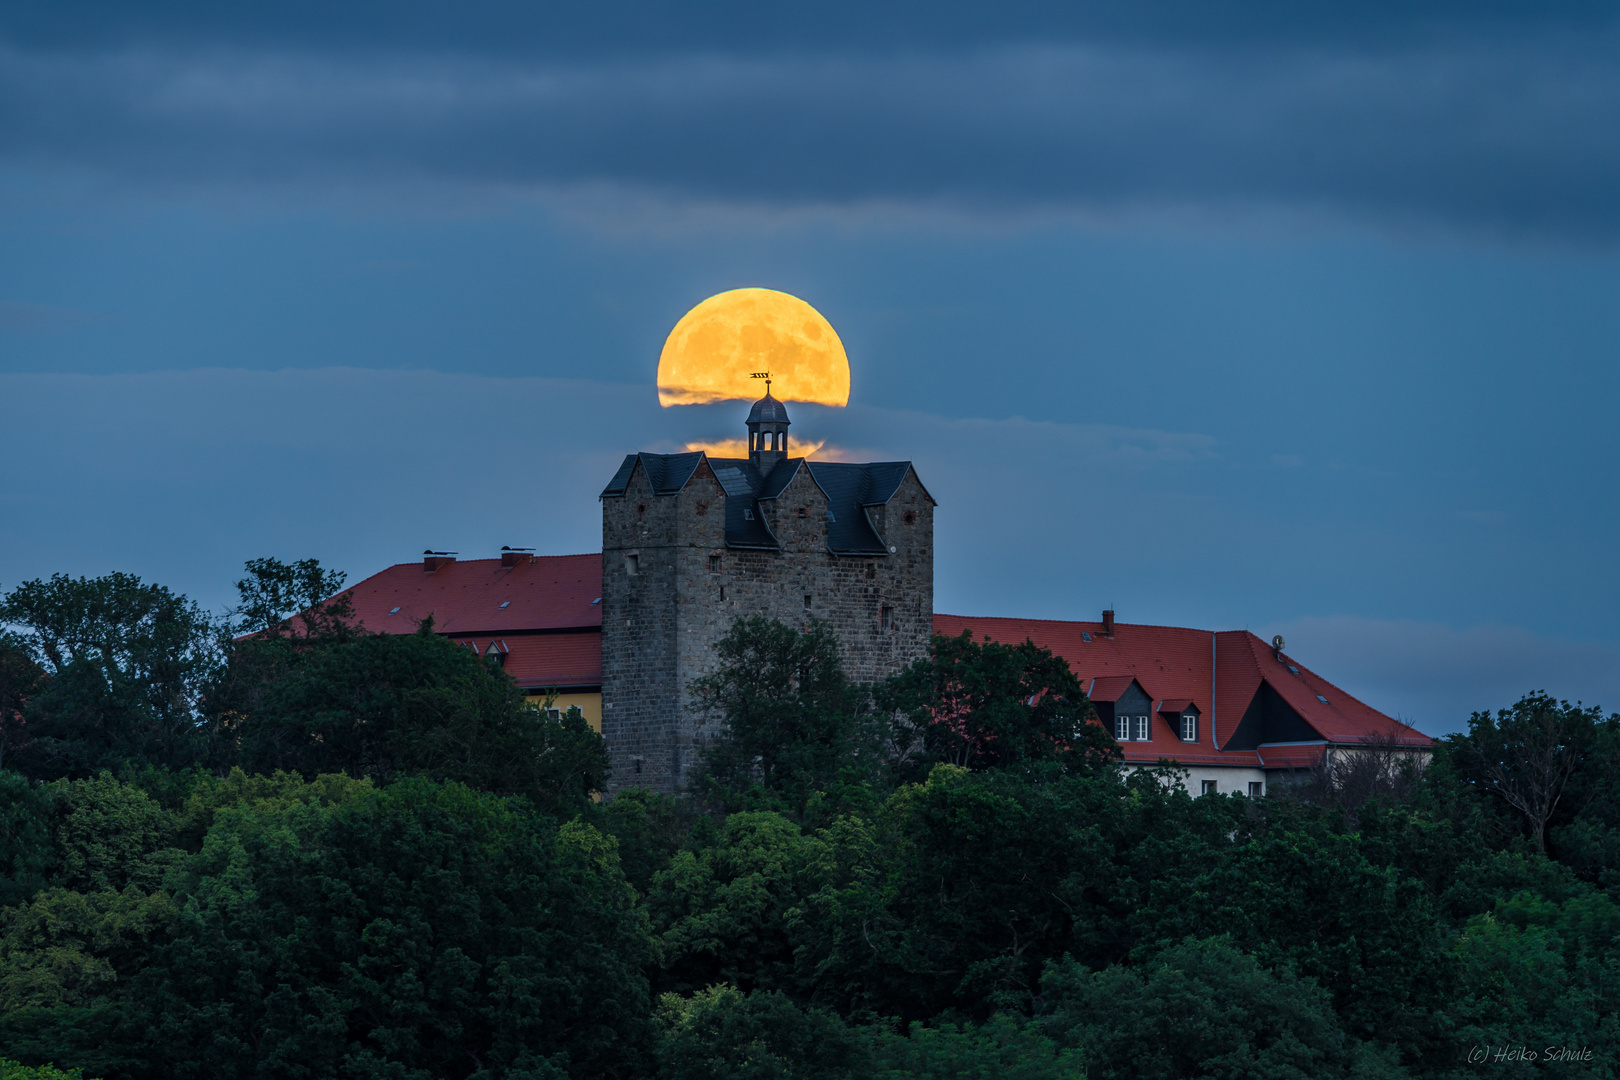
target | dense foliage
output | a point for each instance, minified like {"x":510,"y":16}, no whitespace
{"x":313,"y":851}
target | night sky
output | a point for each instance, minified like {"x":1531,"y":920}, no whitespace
{"x":1295,"y":317}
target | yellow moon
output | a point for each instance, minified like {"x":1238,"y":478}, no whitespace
{"x":718,"y":346}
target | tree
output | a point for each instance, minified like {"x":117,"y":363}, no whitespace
{"x":983,"y":705}
{"x":274,"y":591}
{"x":723,"y":1034}
{"x":21,"y":679}
{"x":1528,"y":754}
{"x":793,"y":722}
{"x":385,"y":706}
{"x":422,"y":929}
{"x":126,"y":664}
{"x":1200,"y":1008}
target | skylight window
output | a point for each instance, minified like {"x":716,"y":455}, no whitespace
{"x":1294,"y":669}
{"x":1084,"y":636}
{"x":598,"y":600}
{"x":1322,"y":699}
{"x":505,"y":604}
{"x":393,"y":611}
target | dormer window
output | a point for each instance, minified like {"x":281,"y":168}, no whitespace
{"x":1189,"y":727}
{"x":1132,"y":729}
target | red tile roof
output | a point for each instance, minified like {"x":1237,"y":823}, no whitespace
{"x":551,"y":626}
{"x":544,"y":592}
{"x":568,"y":660}
{"x":1174,"y":664}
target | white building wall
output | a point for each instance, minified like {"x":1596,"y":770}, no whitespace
{"x":1229,"y":779}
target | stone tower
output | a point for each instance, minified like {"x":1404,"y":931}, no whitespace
{"x":690,"y":543}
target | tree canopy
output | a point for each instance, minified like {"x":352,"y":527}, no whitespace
{"x":368,"y":856}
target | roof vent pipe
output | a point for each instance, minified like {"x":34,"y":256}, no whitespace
{"x":1108,"y":622}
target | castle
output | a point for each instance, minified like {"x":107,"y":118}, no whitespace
{"x":690,"y":543}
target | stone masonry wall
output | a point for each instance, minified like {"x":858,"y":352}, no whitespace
{"x":659,"y":625}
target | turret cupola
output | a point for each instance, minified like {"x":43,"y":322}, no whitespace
{"x":767,"y":432}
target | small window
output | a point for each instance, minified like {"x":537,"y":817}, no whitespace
{"x":871,"y":570}
{"x":748,"y":513}
{"x":1257,"y":788}
{"x":1208,"y":787}
{"x":886,"y":617}
{"x":714,"y":564}
{"x":1084,"y":636}
{"x":505,"y":604}
{"x":1294,"y":669}
{"x":1122,"y":728}
{"x":807,"y":599}
{"x":1141,"y":726}
{"x":830,"y":515}
{"x":1189,"y":727}
{"x":636,"y":761}
{"x":554,"y":713}
{"x":1322,"y":699}
{"x":393,"y":611}
{"x":632,"y":565}
{"x":911,"y":517}
{"x":803,"y":511}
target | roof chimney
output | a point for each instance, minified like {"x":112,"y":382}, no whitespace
{"x":432,"y":560}
{"x":1108,"y":622}
{"x":511,"y":556}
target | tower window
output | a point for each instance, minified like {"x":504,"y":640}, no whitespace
{"x":714,"y":564}
{"x":807,"y":599}
{"x":886,"y":617}
{"x":871,"y":569}
{"x":632,"y":565}
{"x":911,"y":517}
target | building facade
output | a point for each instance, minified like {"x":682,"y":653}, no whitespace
{"x":691,"y":543}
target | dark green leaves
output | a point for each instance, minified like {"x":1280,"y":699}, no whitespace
{"x":983,"y":705}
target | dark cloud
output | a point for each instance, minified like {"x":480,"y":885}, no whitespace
{"x":1426,"y":117}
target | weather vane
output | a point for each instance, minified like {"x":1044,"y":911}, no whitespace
{"x":763,"y":375}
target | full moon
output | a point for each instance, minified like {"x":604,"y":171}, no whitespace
{"x":717,"y":347}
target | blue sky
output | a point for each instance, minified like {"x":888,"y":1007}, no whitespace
{"x":1297,"y":319}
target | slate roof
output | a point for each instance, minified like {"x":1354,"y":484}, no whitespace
{"x":1226,"y":668}
{"x":667,"y":473}
{"x":850,"y":489}
{"x":767,"y":410}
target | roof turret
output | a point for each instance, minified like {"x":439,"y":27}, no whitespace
{"x":767,"y":410}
